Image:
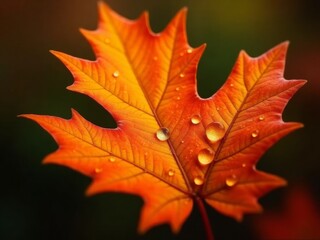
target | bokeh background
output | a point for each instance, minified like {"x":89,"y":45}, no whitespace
{"x":47,"y":201}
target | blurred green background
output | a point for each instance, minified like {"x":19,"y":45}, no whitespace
{"x":48,"y":202}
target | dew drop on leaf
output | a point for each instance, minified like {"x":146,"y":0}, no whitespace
{"x":255,"y":133}
{"x":170,"y":173}
{"x":162,"y":134}
{"x":205,"y":156}
{"x":261,"y":118}
{"x":195,"y":119}
{"x":243,"y":165}
{"x":112,"y":159}
{"x":198,"y":181}
{"x":177,"y":88}
{"x":215,"y":131}
{"x":115,"y":74}
{"x":231,"y":181}
{"x":181,"y":75}
{"x":189,"y":50}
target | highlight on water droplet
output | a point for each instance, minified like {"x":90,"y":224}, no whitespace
{"x":170,"y":173}
{"x":181,"y":75}
{"x":261,"y":118}
{"x":215,"y":131}
{"x":116,"y":74}
{"x":98,"y":170}
{"x":198,"y":181}
{"x":162,"y":134}
{"x":244,"y":165}
{"x":189,"y":50}
{"x":177,"y":89}
{"x":205,"y":156}
{"x":195,"y":119}
{"x":112,"y":159}
{"x":182,"y":141}
{"x":255,"y":133}
{"x":231,"y":181}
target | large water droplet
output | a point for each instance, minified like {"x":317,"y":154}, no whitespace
{"x":162,"y":134}
{"x":215,"y":131}
{"x":116,"y":74}
{"x":255,"y":133}
{"x":205,"y":156}
{"x":170,"y":173}
{"x":195,"y":119}
{"x":198,"y":181}
{"x":231,"y":181}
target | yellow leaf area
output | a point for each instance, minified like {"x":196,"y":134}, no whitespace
{"x":171,"y":146}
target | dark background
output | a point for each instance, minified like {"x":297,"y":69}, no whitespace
{"x":47,"y":201}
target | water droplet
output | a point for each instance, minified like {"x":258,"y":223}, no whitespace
{"x":244,"y":165}
{"x":218,"y":109}
{"x":182,"y":141}
{"x":177,"y":88}
{"x":231,"y":181}
{"x":198,"y":181}
{"x":231,"y":85}
{"x":98,"y":170}
{"x":205,"y":156}
{"x":255,"y":133}
{"x":155,"y":58}
{"x":261,"y":118}
{"x":170,"y":173}
{"x":178,"y":98}
{"x":215,"y":131}
{"x":181,"y":75}
{"x":112,"y":159}
{"x":107,"y":40}
{"x":189,"y":50}
{"x":115,"y":74}
{"x":181,"y":54}
{"x":195,"y":119}
{"x":162,"y":134}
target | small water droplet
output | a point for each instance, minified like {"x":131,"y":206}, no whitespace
{"x":181,"y":75}
{"x":218,"y":109}
{"x":182,"y":141}
{"x":195,"y":119}
{"x":170,"y":173}
{"x":261,"y":118}
{"x":205,"y":156}
{"x":178,"y":98}
{"x":115,"y":74}
{"x":244,"y":165}
{"x":198,"y":181}
{"x":255,"y":133}
{"x":231,"y":181}
{"x":189,"y":50}
{"x":177,"y":89}
{"x":215,"y":131}
{"x":112,"y":159}
{"x":155,"y":58}
{"x":231,"y":85}
{"x":98,"y":170}
{"x":162,"y":134}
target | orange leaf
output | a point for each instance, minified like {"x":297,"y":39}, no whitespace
{"x":170,"y":145}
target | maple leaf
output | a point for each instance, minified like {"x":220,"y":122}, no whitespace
{"x":172,"y":147}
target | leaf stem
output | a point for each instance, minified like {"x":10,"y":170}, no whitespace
{"x":205,"y":218}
